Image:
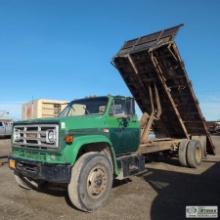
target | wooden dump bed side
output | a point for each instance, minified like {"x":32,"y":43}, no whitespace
{"x":155,"y":60}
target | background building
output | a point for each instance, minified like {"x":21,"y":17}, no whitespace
{"x":42,"y":108}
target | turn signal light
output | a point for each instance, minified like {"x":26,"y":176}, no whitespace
{"x":68,"y":139}
{"x":11,"y":164}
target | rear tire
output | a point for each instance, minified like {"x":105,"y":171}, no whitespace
{"x":194,"y":153}
{"x":182,"y":152}
{"x":91,"y":181}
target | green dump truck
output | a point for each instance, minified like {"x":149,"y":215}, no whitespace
{"x":95,"y":140}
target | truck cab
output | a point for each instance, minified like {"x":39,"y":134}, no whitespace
{"x":114,"y":116}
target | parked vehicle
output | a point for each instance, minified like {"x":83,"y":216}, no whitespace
{"x":5,"y":127}
{"x":97,"y":139}
{"x":214,"y":127}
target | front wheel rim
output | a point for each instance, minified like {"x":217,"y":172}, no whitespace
{"x":97,"y":182}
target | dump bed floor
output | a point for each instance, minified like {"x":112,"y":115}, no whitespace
{"x":154,"y":60}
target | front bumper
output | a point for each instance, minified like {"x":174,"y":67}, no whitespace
{"x":56,"y":173}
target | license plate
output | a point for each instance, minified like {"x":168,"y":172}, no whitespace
{"x":11,"y":164}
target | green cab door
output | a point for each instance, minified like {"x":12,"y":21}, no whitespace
{"x":124,"y":130}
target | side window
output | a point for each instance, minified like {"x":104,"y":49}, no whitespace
{"x":118,"y":108}
{"x":1,"y":124}
{"x":123,"y":107}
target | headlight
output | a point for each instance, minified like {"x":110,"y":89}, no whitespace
{"x":51,"y":136}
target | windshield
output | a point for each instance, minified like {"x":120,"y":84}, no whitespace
{"x":85,"y":107}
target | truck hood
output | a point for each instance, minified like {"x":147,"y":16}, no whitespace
{"x":70,"y":123}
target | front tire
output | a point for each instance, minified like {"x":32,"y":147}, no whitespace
{"x":25,"y":182}
{"x":91,"y":181}
{"x":28,"y":183}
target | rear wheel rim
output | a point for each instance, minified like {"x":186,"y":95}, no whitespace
{"x":97,"y":182}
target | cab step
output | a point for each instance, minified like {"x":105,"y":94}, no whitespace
{"x":131,"y":165}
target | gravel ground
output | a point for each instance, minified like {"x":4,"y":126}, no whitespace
{"x":161,"y":193}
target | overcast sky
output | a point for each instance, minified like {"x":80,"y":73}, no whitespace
{"x":63,"y":49}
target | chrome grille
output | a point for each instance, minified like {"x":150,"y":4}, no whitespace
{"x":35,"y":135}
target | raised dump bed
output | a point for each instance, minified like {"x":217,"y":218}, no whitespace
{"x":154,"y":72}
